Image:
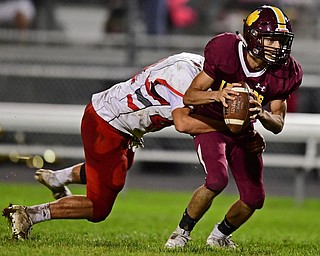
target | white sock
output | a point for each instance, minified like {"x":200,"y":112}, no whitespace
{"x":64,"y":176}
{"x":217,"y":233}
{"x":39,"y":213}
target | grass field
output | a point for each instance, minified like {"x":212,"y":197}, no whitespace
{"x":141,"y":222}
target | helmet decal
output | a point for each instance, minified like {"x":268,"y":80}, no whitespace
{"x":280,"y":18}
{"x":252,"y":17}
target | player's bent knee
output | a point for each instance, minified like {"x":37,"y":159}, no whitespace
{"x":100,"y":212}
{"x":102,"y":207}
{"x":255,"y":203}
{"x":216,"y":188}
{"x":216,"y":185}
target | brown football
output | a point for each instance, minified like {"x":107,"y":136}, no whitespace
{"x":236,"y":115}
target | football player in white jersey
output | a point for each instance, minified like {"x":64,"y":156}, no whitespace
{"x":113,"y":124}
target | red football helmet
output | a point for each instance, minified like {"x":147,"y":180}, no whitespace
{"x":268,"y":22}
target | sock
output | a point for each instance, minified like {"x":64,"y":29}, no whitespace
{"x":225,"y":227}
{"x":83,"y":176}
{"x":187,"y":223}
{"x":39,"y":213}
{"x":217,"y":233}
{"x":64,"y":176}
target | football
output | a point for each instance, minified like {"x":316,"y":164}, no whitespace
{"x":236,"y":115}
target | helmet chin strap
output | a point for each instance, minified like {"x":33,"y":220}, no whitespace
{"x":242,"y":39}
{"x":246,"y":46}
{"x":244,"y":43}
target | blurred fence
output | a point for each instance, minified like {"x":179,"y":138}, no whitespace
{"x":166,"y":146}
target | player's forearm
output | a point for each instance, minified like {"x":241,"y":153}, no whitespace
{"x":198,"y":92}
{"x":203,"y":124}
{"x":197,"y":124}
{"x":195,"y":97}
{"x":271,"y":122}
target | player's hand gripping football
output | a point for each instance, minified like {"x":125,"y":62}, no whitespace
{"x":227,"y":94}
{"x":256,"y":107}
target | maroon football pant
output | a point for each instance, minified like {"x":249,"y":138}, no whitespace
{"x":217,"y":150}
{"x":107,"y":160}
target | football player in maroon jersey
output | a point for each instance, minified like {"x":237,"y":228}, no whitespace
{"x":261,"y":58}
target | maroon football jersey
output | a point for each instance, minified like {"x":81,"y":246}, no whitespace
{"x":225,"y":62}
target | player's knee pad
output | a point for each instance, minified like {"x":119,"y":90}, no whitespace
{"x":254,"y":201}
{"x":100,"y":212}
{"x":216,"y":185}
{"x":102,"y":206}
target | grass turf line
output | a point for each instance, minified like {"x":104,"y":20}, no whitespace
{"x":141,"y":222}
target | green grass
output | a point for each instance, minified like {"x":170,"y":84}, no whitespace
{"x":141,"y":222}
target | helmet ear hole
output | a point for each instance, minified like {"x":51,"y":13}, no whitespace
{"x":254,"y":32}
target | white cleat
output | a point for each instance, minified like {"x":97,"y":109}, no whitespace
{"x":48,"y":178}
{"x":179,"y":238}
{"x":19,"y":221}
{"x":224,"y":242}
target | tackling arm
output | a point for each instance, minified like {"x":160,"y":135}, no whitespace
{"x":186,"y":122}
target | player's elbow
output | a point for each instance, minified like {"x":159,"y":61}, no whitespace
{"x":277,"y":131}
{"x":181,"y":119}
{"x":278,"y":128}
{"x":183,"y":123}
{"x":181,"y":127}
{"x":273,"y":126}
{"x":274,"y":129}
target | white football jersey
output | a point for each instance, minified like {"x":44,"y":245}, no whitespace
{"x":144,"y":103}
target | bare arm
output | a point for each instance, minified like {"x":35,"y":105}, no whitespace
{"x":273,"y":120}
{"x":198,"y":93}
{"x":185,"y":122}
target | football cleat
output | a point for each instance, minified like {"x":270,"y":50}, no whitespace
{"x":179,"y":238}
{"x":49,"y":179}
{"x":224,"y":242}
{"x":19,"y":221}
